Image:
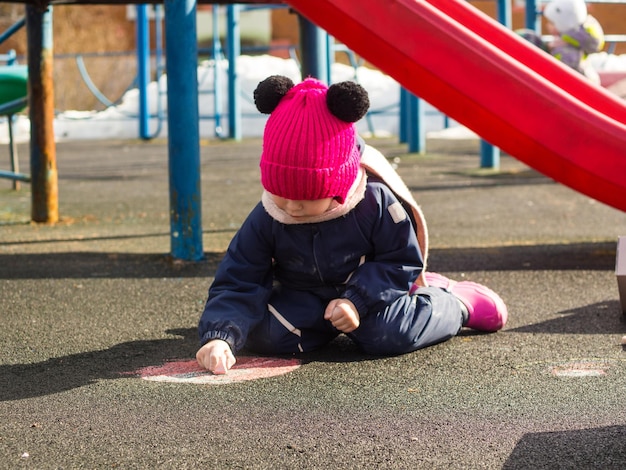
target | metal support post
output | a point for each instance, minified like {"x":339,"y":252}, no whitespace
{"x":143,"y":68}
{"x":417,"y":132}
{"x":490,"y":155}
{"x":217,"y":72}
{"x":313,"y":50}
{"x":533,"y":21}
{"x":233,"y":49}
{"x":183,"y":128}
{"x":43,"y":167}
{"x":404,"y":115}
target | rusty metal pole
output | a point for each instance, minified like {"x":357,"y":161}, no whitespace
{"x":44,"y":177}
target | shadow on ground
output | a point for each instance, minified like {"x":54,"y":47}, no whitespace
{"x":601,"y":318}
{"x":603,"y":447}
{"x":64,"y":373}
{"x":86,"y":265}
{"x":589,"y":256}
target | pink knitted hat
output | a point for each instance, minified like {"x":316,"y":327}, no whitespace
{"x":310,"y":142}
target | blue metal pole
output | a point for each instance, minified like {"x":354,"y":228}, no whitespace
{"x":404,"y":115}
{"x":314,"y":50}
{"x":159,"y":67}
{"x":234,"y":83}
{"x":183,"y":127}
{"x":217,"y":73}
{"x":14,"y":176}
{"x":12,"y":29}
{"x":330,"y":57}
{"x":505,"y":12}
{"x":533,"y":21}
{"x":143,"y":68}
{"x":416,"y":133}
{"x":490,"y":155}
{"x":12,"y":57}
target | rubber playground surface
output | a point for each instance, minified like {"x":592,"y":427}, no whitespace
{"x":98,"y":329}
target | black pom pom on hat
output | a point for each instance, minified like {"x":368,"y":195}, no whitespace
{"x":270,"y":91}
{"x":347,"y":101}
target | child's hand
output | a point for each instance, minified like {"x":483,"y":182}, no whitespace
{"x":216,"y":356}
{"x":343,"y":315}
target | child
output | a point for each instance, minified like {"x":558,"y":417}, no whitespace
{"x":330,"y":248}
{"x":576,"y":34}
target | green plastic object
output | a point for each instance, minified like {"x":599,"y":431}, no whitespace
{"x":13,"y":86}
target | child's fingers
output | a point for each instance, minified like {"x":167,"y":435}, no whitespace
{"x":222,"y":361}
{"x":220,"y":366}
{"x":330,"y":308}
{"x":230,"y":359}
{"x":202,"y":357}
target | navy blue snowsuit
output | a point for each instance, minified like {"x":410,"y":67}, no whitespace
{"x":275,"y":281}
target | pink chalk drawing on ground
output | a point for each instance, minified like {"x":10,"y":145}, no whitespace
{"x":246,"y":368}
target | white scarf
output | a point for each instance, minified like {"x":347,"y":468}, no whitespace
{"x":336,"y":210}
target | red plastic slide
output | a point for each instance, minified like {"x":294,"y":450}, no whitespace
{"x":543,"y":64}
{"x":485,"y":77}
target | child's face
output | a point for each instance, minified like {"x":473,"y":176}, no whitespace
{"x":551,"y":28}
{"x":302,"y":208}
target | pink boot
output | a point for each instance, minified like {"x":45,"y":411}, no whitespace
{"x":487,"y":311}
{"x":438,"y":280}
